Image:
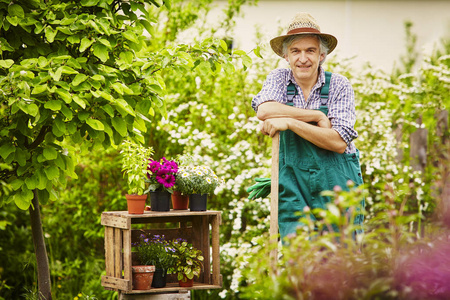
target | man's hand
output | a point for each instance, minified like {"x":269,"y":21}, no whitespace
{"x":323,"y":121}
{"x":271,"y":126}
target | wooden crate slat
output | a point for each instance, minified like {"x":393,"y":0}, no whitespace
{"x":109,"y":250}
{"x":115,"y":283}
{"x":118,"y":253}
{"x":117,"y":221}
{"x":215,"y":241}
{"x":127,"y":255}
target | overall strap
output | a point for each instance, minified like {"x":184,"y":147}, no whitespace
{"x":325,"y":89}
{"x":291,"y":91}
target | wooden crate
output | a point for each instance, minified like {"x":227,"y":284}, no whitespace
{"x":123,"y":229}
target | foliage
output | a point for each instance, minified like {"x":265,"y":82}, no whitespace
{"x":162,"y":174}
{"x":188,"y":259}
{"x":135,"y":158}
{"x":196,"y":180}
{"x":155,"y":251}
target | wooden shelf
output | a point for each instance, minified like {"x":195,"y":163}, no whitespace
{"x":201,"y":228}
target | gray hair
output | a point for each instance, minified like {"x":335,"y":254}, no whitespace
{"x":323,"y":47}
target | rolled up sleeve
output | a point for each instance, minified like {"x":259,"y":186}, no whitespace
{"x":274,"y":88}
{"x":342,"y":110}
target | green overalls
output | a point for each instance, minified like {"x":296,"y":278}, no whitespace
{"x":306,"y":170}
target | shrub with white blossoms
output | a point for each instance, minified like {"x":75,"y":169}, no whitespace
{"x":196,"y":180}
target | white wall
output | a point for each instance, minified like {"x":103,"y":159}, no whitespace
{"x":370,"y":31}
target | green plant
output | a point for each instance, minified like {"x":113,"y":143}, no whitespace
{"x":188,"y":260}
{"x":196,"y":180}
{"x":155,"y":251}
{"x":135,"y":159}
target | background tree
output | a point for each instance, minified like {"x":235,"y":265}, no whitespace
{"x":78,"y":75}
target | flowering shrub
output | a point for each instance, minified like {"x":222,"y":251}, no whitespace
{"x":196,"y":180}
{"x":161,"y":174}
{"x":155,"y":251}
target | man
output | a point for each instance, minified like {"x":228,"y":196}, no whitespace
{"x":316,"y":126}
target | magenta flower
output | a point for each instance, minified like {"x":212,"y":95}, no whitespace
{"x":154,"y":166}
{"x":167,"y":180}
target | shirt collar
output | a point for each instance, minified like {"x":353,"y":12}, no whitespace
{"x":320,"y":82}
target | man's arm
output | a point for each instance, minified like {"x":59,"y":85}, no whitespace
{"x":325,"y":138}
{"x":272,"y":109}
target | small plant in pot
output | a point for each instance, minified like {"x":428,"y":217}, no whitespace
{"x":161,"y":176}
{"x":188,"y":262}
{"x":134,"y":167}
{"x":156,"y":251}
{"x":197,"y":182}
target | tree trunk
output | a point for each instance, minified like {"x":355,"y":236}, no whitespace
{"x":44,"y":282}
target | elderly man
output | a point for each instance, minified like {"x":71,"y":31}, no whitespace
{"x":314,"y":111}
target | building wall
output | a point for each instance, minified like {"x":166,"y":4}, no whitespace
{"x":367,"y":31}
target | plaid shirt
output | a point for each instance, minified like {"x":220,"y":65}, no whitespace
{"x":341,"y":100}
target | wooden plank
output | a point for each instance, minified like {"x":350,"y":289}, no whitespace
{"x":215,"y":241}
{"x":115,"y":221}
{"x":109,"y":251}
{"x":115,"y":283}
{"x":127,"y":274}
{"x":118,"y":258}
{"x":206,"y":250}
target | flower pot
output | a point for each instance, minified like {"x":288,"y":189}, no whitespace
{"x":142,"y":277}
{"x":180,"y":201}
{"x":197,"y":202}
{"x":186,"y":282}
{"x":159,"y":278}
{"x":160,"y":200}
{"x":136,"y":203}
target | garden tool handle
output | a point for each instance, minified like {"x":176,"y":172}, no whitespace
{"x":273,"y":230}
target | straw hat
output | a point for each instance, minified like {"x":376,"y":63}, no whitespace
{"x":303,"y":23}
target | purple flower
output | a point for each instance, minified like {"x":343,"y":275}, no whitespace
{"x":167,"y":180}
{"x":154,"y":166}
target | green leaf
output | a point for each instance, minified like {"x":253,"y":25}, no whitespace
{"x":50,"y":153}
{"x":43,"y":196}
{"x":30,"y":109}
{"x":31,"y":183}
{"x":41,"y":179}
{"x":79,"y":101}
{"x":120,"y":126}
{"x":117,"y":87}
{"x":247,"y":61}
{"x":68,"y":70}
{"x":95,"y":124}
{"x":85,"y":43}
{"x":50,"y":34}
{"x":23,"y":199}
{"x":79,"y":79}
{"x":239,"y":52}
{"x":89,"y":2}
{"x":52,"y":172}
{"x":131,"y":36}
{"x":257,"y":52}
{"x":17,"y":184}
{"x":101,"y":51}
{"x":16,"y":10}
{"x":7,"y":63}
{"x":54,"y":105}
{"x":39,"y":89}
{"x":224,"y":45}
{"x":65,"y":95}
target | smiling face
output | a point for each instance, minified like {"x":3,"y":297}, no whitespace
{"x":303,"y":56}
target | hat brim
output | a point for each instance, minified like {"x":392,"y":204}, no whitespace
{"x":277,"y":43}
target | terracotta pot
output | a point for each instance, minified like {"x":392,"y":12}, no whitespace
{"x":142,"y":277}
{"x":160,"y":200}
{"x":180,"y":201}
{"x":136,"y":203}
{"x":186,"y":282}
{"x":197,"y":202}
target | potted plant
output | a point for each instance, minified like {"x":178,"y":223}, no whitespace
{"x":161,"y":175}
{"x":197,"y":182}
{"x":142,"y":274}
{"x":156,"y":251}
{"x":188,"y":262}
{"x":180,"y":199}
{"x":134,"y":167}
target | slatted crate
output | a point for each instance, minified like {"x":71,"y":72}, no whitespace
{"x":122,"y":229}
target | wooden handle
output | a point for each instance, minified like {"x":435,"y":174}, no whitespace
{"x":273,"y":231}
